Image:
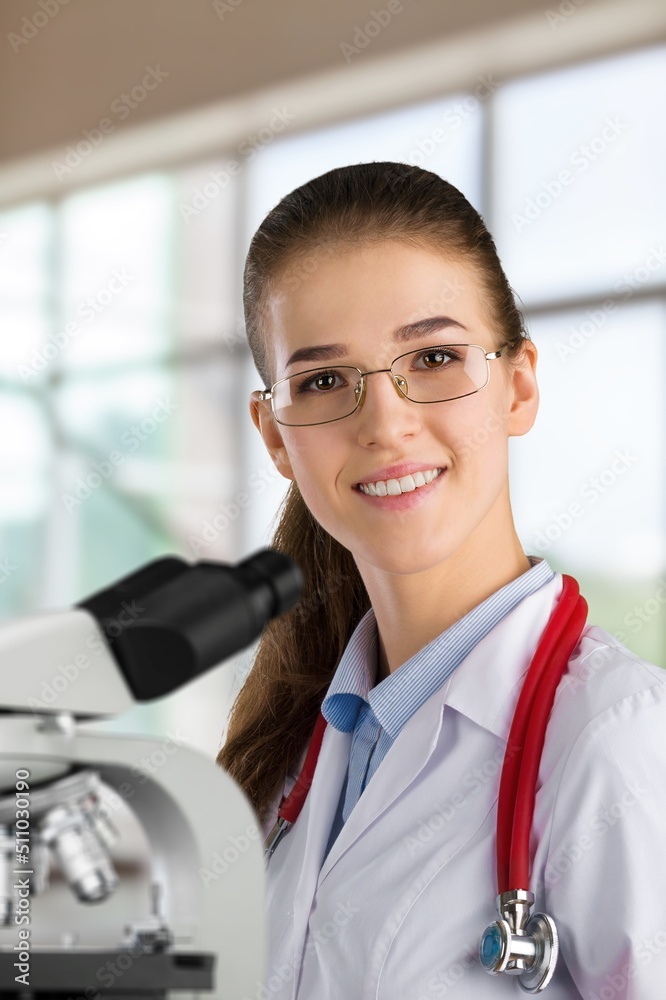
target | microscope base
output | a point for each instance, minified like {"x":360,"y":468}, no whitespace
{"x":91,"y":975}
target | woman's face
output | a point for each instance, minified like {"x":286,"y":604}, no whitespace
{"x":357,"y":298}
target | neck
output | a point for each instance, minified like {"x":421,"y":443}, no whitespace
{"x":412,"y":609}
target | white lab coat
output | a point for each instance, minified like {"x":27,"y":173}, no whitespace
{"x":396,"y":910}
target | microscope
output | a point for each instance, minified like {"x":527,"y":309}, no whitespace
{"x":199,"y":931}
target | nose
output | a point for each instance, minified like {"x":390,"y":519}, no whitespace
{"x":385,"y":421}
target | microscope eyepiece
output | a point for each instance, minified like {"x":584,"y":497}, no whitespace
{"x":270,"y":568}
{"x":171,"y":621}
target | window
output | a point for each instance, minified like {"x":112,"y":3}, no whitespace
{"x":125,"y":375}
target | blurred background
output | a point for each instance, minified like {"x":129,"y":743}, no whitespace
{"x":141,"y":146}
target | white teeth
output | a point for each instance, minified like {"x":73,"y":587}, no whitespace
{"x":394,"y":487}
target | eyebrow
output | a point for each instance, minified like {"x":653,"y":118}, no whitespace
{"x":403,"y":334}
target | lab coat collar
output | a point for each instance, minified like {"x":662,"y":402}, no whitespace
{"x":486,"y":685}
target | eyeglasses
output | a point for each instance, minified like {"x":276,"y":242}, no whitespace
{"x":429,"y":375}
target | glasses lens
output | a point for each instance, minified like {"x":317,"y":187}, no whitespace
{"x":429,"y":375}
{"x":314,"y":397}
{"x":444,"y":372}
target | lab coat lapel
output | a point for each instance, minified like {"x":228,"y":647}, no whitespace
{"x":317,"y":815}
{"x":398,"y":770}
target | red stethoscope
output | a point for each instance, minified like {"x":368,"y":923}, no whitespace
{"x":519,"y":943}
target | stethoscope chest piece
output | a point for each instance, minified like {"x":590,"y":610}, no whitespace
{"x":519,"y":944}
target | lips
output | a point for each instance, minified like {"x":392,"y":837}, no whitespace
{"x":398,"y":471}
{"x":389,"y":496}
{"x":396,"y":487}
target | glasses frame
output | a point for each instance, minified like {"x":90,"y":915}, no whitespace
{"x":268,"y":394}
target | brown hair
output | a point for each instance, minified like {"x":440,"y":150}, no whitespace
{"x":276,"y":709}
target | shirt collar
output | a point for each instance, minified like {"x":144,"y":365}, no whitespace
{"x":353,"y":680}
{"x":354,"y":675}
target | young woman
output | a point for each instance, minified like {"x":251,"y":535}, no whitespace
{"x":396,"y":366}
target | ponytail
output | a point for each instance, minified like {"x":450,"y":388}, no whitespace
{"x":276,"y":709}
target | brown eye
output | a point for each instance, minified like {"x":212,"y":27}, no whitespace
{"x":324,"y":381}
{"x":438,"y":359}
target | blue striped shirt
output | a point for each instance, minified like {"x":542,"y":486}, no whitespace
{"x":376,"y":715}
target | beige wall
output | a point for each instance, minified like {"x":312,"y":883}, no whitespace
{"x":90,"y":52}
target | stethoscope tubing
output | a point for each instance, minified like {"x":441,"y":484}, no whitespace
{"x":517,"y":792}
{"x":292,"y":805}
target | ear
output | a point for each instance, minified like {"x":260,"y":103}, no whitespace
{"x":525,"y":403}
{"x":264,"y":421}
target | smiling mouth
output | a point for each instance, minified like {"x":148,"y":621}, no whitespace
{"x":405,"y":484}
